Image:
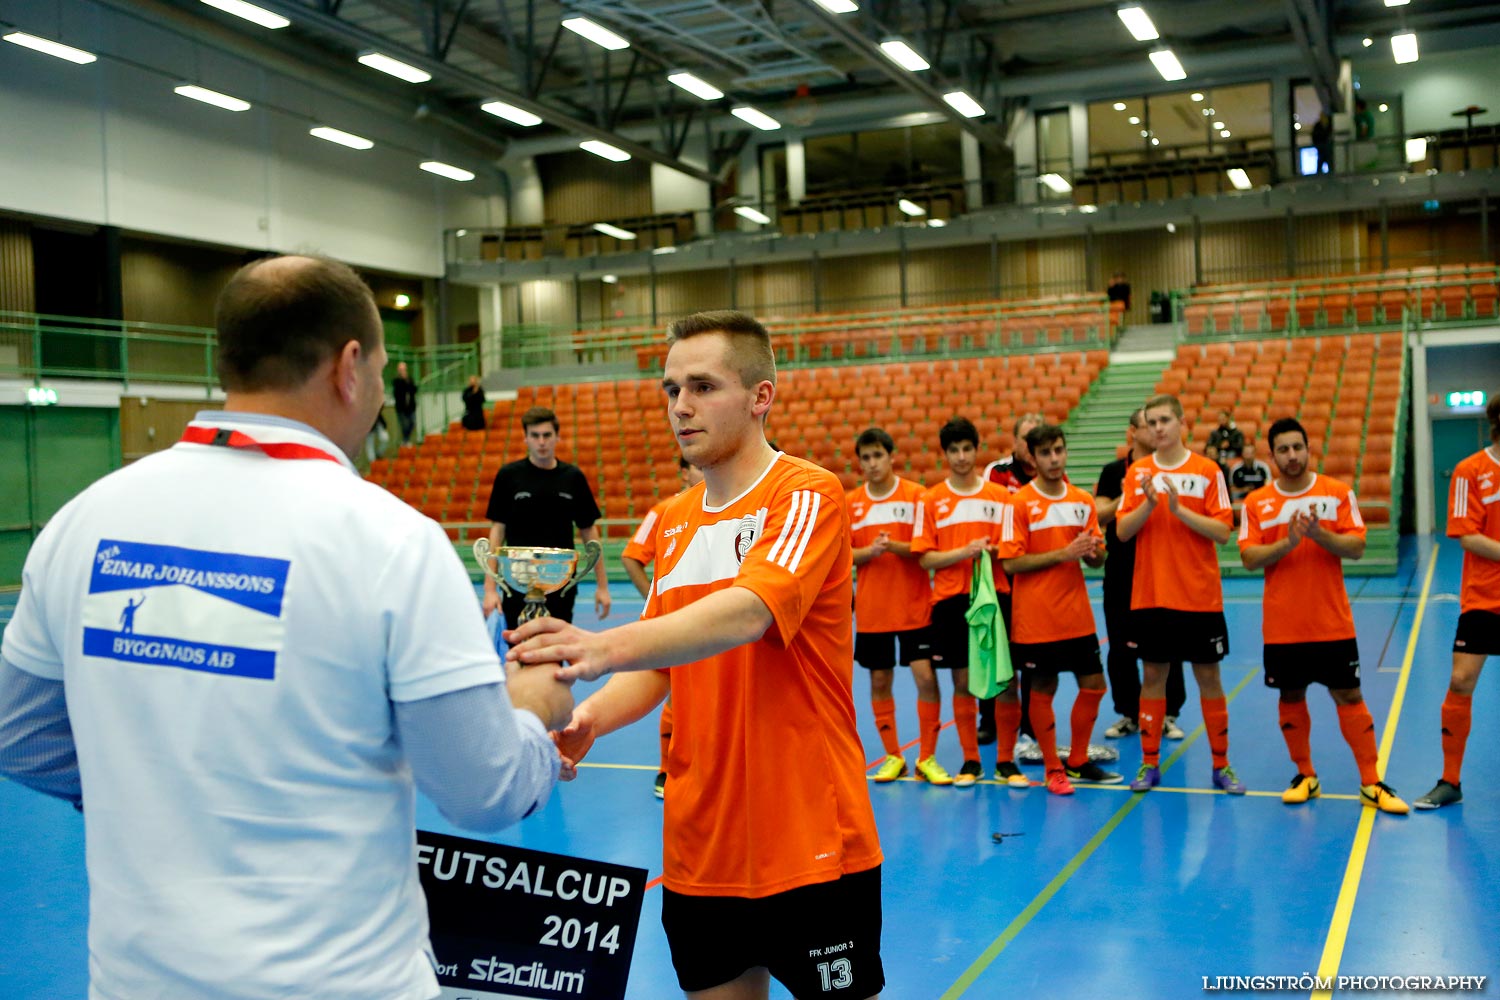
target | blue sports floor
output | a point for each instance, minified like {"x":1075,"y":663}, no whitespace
{"x":1102,"y":894}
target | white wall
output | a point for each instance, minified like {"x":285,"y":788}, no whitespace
{"x":1435,"y":86}
{"x":673,"y":191}
{"x":110,"y":144}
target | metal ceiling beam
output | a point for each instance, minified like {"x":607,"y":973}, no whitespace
{"x":363,"y":38}
{"x":843,"y":29}
{"x":1310,"y":26}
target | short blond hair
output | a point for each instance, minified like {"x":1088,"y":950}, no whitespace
{"x":1165,"y":399}
{"x":750,"y":351}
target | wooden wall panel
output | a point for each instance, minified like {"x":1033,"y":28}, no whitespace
{"x":150,"y":425}
{"x":1244,"y":251}
{"x":580,"y":187}
{"x":950,"y":274}
{"x":17,"y":269}
{"x":867,"y":283}
{"x":776,"y":289}
{"x":1151,"y":260}
{"x":167,"y":283}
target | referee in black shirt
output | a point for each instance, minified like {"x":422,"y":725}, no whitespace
{"x":537,"y":501}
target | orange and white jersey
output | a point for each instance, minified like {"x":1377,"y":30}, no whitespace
{"x":951,"y":520}
{"x":892,"y":593}
{"x":1305,"y":597}
{"x":1049,"y":604}
{"x":739,"y":821}
{"x":1474,"y":509}
{"x":642,"y":544}
{"x":1175,"y":567}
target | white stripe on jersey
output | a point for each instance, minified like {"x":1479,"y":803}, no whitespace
{"x":1188,"y":485}
{"x":788,"y":529}
{"x":708,"y":558}
{"x":888,"y":512}
{"x":644,"y":531}
{"x":1492,"y":498}
{"x":916,"y":528}
{"x":789,"y":559}
{"x":1223,"y":491}
{"x":1072,"y":514}
{"x":974,"y":510}
{"x":1324,"y":508}
{"x":1359,"y":522}
{"x":1460,"y":497}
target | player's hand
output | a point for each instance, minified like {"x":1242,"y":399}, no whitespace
{"x":1081,"y":546}
{"x":1148,"y":488}
{"x":1296,"y":529}
{"x":1172,"y":495}
{"x":602,"y":603}
{"x":574,"y":742}
{"x":881,"y":545}
{"x":541,"y":693}
{"x":491,"y":596}
{"x":1313,"y":527}
{"x":976,"y":548}
{"x":580,"y":655}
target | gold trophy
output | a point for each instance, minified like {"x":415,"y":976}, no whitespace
{"x":536,"y":572}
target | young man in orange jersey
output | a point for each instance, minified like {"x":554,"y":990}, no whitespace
{"x":1178,"y":503}
{"x":961,"y":521}
{"x":1052,"y":528}
{"x":771,"y":858}
{"x":892,"y":598}
{"x":639,"y":553}
{"x":1474,"y":519}
{"x":1299,"y":528}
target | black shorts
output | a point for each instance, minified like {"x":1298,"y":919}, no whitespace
{"x":1478,"y":633}
{"x":815,"y":939}
{"x":1335,"y":665}
{"x":1078,"y":656}
{"x":1165,"y":635}
{"x":877,"y":650}
{"x":949,"y":631}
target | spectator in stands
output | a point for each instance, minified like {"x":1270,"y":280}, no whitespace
{"x":1322,"y":140}
{"x":405,"y":391}
{"x":377,"y":440}
{"x":1225,"y":438}
{"x":1250,"y":474}
{"x":1119,"y":289}
{"x":536,"y":501}
{"x":1364,"y":121}
{"x":1121,"y":661}
{"x":473,"y":419}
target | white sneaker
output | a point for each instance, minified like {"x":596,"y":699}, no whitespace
{"x":1124,"y":726}
{"x":1170,"y":730}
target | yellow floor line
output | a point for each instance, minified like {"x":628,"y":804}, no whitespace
{"x":987,"y":958}
{"x":1343,"y":910}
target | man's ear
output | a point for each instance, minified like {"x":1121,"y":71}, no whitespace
{"x":765,"y":393}
{"x":345,"y":372}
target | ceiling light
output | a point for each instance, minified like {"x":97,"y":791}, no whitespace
{"x":1297,"y":126}
{"x":610,"y":279}
{"x":695,"y":86}
{"x":1224,"y":133}
{"x":342,"y":138}
{"x":1404,"y":47}
{"x":1196,"y":98}
{"x":965,"y":105}
{"x":1144,"y":133}
{"x":1239,"y":178}
{"x":461,"y":233}
{"x":1384,"y":108}
{"x":615,"y":231}
{"x":1138,"y":23}
{"x":213,"y":97}
{"x":1135,"y":119}
{"x":250,"y":12}
{"x":394,"y":67}
{"x":1056,"y":182}
{"x":1367,"y":42}
{"x":596,"y":33}
{"x":910,"y":207}
{"x":447,"y":170}
{"x":903,"y":55}
{"x":1416,"y":149}
{"x":839,"y":6}
{"x":937,"y":223}
{"x":1167,"y":65}
{"x":754,"y":215}
{"x":511,"y":113}
{"x":1210,"y":112}
{"x":1119,"y":105}
{"x":658,"y":251}
{"x":1088,"y":209}
{"x":759,"y":119}
{"x":1171,"y":227}
{"x":48,"y":47}
{"x":1218,"y":124}
{"x":1155,"y":141}
{"x":1397,"y":3}
{"x":402,"y":300}
{"x":605,"y":150}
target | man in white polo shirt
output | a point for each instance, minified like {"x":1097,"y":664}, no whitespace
{"x":245,"y":751}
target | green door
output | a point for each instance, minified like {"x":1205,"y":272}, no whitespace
{"x":1453,"y":440}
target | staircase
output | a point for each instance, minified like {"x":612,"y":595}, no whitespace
{"x":1096,"y":427}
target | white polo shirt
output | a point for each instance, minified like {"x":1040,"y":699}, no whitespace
{"x":231,"y":629}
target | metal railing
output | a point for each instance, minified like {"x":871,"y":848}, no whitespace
{"x":35,"y":346}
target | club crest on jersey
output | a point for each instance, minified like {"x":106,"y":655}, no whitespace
{"x":749,"y":526}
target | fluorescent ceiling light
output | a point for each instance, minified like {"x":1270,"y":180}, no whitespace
{"x":754,"y":215}
{"x":213,"y":97}
{"x":695,"y":86}
{"x":1155,"y":141}
{"x":1171,"y":227}
{"x":937,"y":223}
{"x":250,"y":12}
{"x":342,"y":138}
{"x":402,"y":300}
{"x":1167,"y":65}
{"x":1367,"y":42}
{"x":447,"y":170}
{"x":461,"y":233}
{"x":1088,"y":209}
{"x":903,"y":55}
{"x":615,"y":231}
{"x":1297,"y":126}
{"x":1119,"y":105}
{"x":48,"y":47}
{"x":605,"y":150}
{"x":1196,"y":98}
{"x":1239,"y":178}
{"x":1056,"y":182}
{"x":658,"y":251}
{"x":1416,"y":149}
{"x":610,"y":279}
{"x":1384,"y":108}
{"x":596,"y":33}
{"x":759,"y":119}
{"x":511,"y":113}
{"x":1397,"y":3}
{"x":1218,"y":124}
{"x":394,"y":67}
{"x":1404,"y":47}
{"x":839,"y":6}
{"x":964,"y":104}
{"x":1224,"y":133}
{"x":910,"y":207}
{"x":1135,"y":119}
{"x":1138,"y":23}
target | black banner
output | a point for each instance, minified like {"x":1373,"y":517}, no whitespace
{"x":508,"y":922}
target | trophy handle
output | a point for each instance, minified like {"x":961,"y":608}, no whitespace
{"x":482,"y":555}
{"x":592,"y":550}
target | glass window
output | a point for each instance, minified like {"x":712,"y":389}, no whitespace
{"x":1180,"y":125}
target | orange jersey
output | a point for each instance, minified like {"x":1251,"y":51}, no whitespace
{"x":642,"y":544}
{"x":1175,"y":567}
{"x":1474,"y":509}
{"x":894,"y":593}
{"x":739,"y":821}
{"x":1305,"y":598}
{"x":950,"y":520}
{"x":1049,"y":604}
